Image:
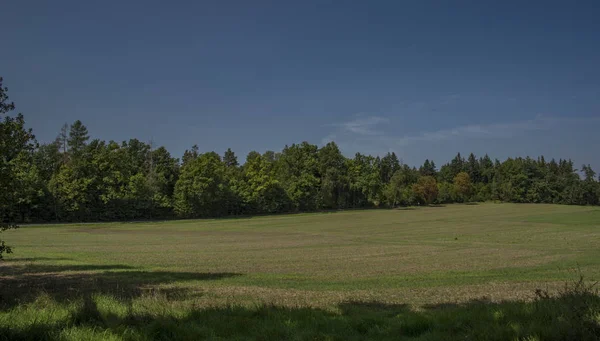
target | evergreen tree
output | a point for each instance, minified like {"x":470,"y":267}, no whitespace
{"x":190,"y":155}
{"x":591,"y":188}
{"x":230,"y":159}
{"x":62,"y":139}
{"x":78,"y":137}
{"x":486,"y":167}
{"x":457,"y":165}
{"x":389,"y":164}
{"x":428,"y":168}
{"x":472,"y":168}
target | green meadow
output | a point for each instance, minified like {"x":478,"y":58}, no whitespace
{"x":428,"y":273}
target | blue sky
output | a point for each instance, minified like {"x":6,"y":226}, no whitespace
{"x":425,"y":79}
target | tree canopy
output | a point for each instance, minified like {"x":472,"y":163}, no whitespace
{"x":19,"y":178}
{"x":77,"y":179}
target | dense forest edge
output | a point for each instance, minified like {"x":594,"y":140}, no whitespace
{"x":78,"y":179}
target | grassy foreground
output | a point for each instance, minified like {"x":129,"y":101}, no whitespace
{"x":453,"y":273}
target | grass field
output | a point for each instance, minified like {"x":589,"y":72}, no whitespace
{"x":424,"y":273}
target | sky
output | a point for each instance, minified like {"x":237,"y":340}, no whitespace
{"x":424,"y":79}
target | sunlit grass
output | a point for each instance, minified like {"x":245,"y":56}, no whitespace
{"x":375,"y":274}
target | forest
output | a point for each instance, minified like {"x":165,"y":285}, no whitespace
{"x":76,"y":178}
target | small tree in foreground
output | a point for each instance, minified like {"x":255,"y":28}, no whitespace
{"x":15,"y":143}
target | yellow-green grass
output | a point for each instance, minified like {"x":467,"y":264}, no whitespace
{"x":297,"y":265}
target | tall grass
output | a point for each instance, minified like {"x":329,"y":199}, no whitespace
{"x":571,"y":314}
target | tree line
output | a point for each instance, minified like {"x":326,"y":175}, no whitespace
{"x":75,"y":178}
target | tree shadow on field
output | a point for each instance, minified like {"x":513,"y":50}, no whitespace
{"x":57,"y":302}
{"x":32,"y":259}
{"x":36,"y":269}
{"x":277,"y":214}
{"x":568,"y":316}
{"x":404,"y":208}
{"x":21,"y":284}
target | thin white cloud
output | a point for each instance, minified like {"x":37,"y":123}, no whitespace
{"x":362,"y":125}
{"x":366,"y":132}
{"x":497,"y":130}
{"x":327,"y":139}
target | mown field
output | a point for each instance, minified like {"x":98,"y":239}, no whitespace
{"x":455,"y":272}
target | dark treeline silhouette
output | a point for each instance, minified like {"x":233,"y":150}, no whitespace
{"x":78,"y":179}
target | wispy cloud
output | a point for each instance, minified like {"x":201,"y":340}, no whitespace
{"x":362,"y":125}
{"x":368,"y":132}
{"x":327,"y":139}
{"x":496,"y":130}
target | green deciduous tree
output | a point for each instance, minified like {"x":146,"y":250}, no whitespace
{"x":298,"y":170}
{"x":446,"y":193}
{"x":201,"y":188}
{"x":17,"y":174}
{"x":75,"y":179}
{"x":395,"y":189}
{"x":260,"y":190}
{"x":334,"y":177}
{"x":365,"y":181}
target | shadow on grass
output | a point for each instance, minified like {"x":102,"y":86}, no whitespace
{"x":17,"y":270}
{"x":31,"y":259}
{"x":404,"y":208}
{"x":21,"y":284}
{"x":244,"y":216}
{"x":62,"y":305}
{"x":572,"y":316}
